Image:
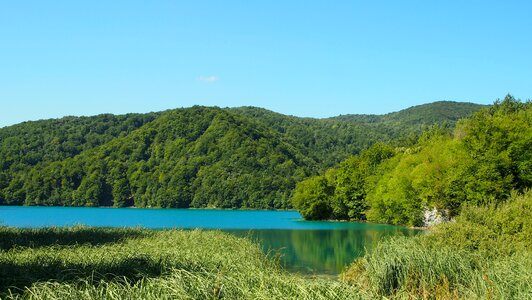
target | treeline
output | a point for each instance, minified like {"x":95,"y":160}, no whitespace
{"x":194,"y":157}
{"x":482,"y":160}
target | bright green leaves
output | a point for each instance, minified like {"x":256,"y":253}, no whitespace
{"x":312,"y":198}
{"x":487,"y":157}
{"x":341,"y":193}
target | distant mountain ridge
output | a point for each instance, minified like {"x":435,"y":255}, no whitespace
{"x":438,"y":111}
{"x":332,"y":139}
{"x":191,"y":157}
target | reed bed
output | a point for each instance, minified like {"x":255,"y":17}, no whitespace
{"x":143,"y":264}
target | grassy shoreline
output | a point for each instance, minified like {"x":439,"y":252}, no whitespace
{"x":68,"y":263}
{"x":485,"y":254}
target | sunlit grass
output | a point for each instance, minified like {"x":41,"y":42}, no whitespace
{"x":485,"y":254}
{"x":142,"y":264}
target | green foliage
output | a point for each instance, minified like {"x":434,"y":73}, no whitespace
{"x":329,"y":141}
{"x":200,"y":157}
{"x":492,"y":230}
{"x":194,"y":157}
{"x":498,"y":141}
{"x":485,"y":253}
{"x":481,"y":161}
{"x":311,"y":198}
{"x":31,"y":143}
{"x":414,"y":180}
{"x":352,"y":181}
{"x":341,"y":192}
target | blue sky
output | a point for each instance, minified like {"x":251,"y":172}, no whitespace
{"x":305,"y":58}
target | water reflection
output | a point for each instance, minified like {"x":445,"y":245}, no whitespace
{"x":305,"y":246}
{"x":321,"y":251}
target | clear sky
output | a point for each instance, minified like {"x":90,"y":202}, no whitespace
{"x":305,"y":58}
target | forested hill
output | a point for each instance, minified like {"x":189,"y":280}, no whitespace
{"x":331,"y":140}
{"x":192,"y":157}
{"x":484,"y":160}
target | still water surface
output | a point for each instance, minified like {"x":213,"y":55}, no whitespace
{"x":305,"y":246}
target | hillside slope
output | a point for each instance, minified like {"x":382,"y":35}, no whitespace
{"x":331,"y":140}
{"x":483,"y":160}
{"x":193,"y":157}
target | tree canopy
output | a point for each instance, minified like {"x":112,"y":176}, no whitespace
{"x":195,"y":157}
{"x":482,"y":160}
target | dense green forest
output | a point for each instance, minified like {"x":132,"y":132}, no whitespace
{"x":329,"y":141}
{"x":482,"y":160}
{"x":193,"y":157}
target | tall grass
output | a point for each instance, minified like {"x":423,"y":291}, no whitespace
{"x":63,"y":236}
{"x":485,"y":254}
{"x":405,"y":268}
{"x":168,"y":264}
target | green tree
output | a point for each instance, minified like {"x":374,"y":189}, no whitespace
{"x":311,"y":198}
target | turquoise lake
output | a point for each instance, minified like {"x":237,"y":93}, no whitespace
{"x":305,"y":246}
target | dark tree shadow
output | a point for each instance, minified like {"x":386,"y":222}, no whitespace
{"x":78,"y":235}
{"x":17,"y":276}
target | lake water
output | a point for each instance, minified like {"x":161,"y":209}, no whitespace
{"x":305,"y":246}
